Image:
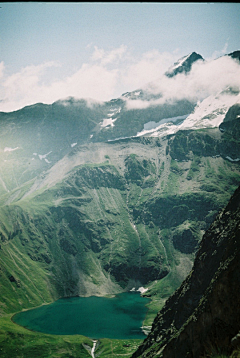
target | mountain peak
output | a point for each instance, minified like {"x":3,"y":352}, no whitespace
{"x":235,"y":55}
{"x":184,"y":64}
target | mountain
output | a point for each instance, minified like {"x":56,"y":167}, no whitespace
{"x":209,"y":113}
{"x":35,"y":137}
{"x":184,"y":64}
{"x":235,"y":55}
{"x":230,"y":123}
{"x":202,"y":317}
{"x":100,"y":198}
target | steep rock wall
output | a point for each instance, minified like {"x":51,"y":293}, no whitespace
{"x":203,"y":315}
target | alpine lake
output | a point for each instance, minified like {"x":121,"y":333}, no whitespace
{"x":118,"y":317}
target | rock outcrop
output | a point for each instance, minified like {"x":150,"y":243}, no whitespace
{"x":203,"y":316}
{"x":231,"y":121}
{"x":184,"y":65}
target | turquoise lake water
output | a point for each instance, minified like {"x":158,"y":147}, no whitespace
{"x":120,"y":317}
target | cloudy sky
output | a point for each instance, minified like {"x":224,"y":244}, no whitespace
{"x":54,"y":50}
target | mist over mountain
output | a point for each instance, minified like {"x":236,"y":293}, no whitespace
{"x":98,"y":198}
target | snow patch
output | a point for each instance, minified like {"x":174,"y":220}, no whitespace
{"x":232,"y":160}
{"x":161,"y":130}
{"x":152,"y":125}
{"x":108,"y":122}
{"x":8,"y":149}
{"x":178,"y":63}
{"x":120,"y":138}
{"x":210,"y":112}
{"x":114,"y":111}
{"x":140,"y":289}
{"x":73,"y":144}
{"x":44,"y":156}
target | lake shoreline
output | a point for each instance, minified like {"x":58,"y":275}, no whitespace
{"x":128,"y":316}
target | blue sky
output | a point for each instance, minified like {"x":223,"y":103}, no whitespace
{"x":100,"y":50}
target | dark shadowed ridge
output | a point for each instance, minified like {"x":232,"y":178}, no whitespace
{"x":203,"y":315}
{"x":235,"y":55}
{"x":184,"y":65}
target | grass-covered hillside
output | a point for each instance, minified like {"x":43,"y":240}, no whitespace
{"x":112,"y":216}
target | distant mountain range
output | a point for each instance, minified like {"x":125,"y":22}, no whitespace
{"x":42,"y":134}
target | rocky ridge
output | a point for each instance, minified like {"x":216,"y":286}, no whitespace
{"x":202,"y":316}
{"x":184,"y":65}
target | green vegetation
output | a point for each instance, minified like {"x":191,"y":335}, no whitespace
{"x":194,"y":168}
{"x":15,"y":341}
{"x":159,"y":291}
{"x":214,"y":352}
{"x":138,"y":170}
{"x":174,"y":167}
{"x":132,"y":217}
{"x":116,"y":348}
{"x":161,"y":169}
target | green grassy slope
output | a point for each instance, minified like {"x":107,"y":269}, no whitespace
{"x":110,"y":217}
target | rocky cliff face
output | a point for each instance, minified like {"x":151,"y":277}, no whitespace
{"x":230,"y":125}
{"x":203,"y":316}
{"x":184,"y":65}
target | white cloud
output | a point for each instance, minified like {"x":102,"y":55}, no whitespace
{"x":218,"y":53}
{"x":108,"y":74}
{"x":205,"y":79}
{"x":24,"y":87}
{"x":89,"y":81}
{"x":8,"y":149}
{"x":107,"y":57}
{"x":98,"y":54}
{"x":27,"y":86}
{"x":2,"y":67}
{"x":148,"y":68}
{"x":138,"y":104}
